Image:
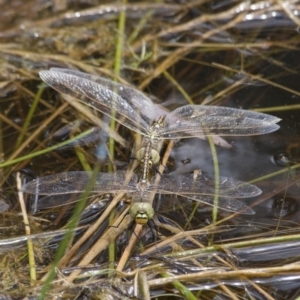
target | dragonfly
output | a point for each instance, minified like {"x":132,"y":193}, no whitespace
{"x":200,"y":188}
{"x":137,"y":112}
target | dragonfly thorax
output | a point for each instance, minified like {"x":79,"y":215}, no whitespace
{"x":141,"y":212}
{"x":155,"y":129}
{"x":143,"y":186}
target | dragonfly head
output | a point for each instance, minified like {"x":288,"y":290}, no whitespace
{"x":142,"y":156}
{"x":141,"y":212}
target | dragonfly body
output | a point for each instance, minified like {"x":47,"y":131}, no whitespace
{"x":137,"y":112}
{"x":148,"y":155}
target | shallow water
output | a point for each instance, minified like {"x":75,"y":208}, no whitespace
{"x":265,"y":46}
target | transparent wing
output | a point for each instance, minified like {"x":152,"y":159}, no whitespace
{"x":137,"y":112}
{"x":7,"y":244}
{"x":195,"y":120}
{"x":224,"y":203}
{"x":133,"y":109}
{"x":76,"y":182}
{"x":50,"y":201}
{"x":191,"y":187}
{"x":205,"y":185}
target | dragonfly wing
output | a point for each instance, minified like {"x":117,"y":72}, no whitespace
{"x":191,"y":188}
{"x":199,"y":120}
{"x":49,"y":201}
{"x":228,"y":204}
{"x":133,"y":109}
{"x":205,"y":185}
{"x":77,"y":181}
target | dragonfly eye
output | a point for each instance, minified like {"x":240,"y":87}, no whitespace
{"x":141,"y":212}
{"x":140,"y":155}
{"x":155,"y":157}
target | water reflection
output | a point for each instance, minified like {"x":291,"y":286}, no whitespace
{"x":247,"y":159}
